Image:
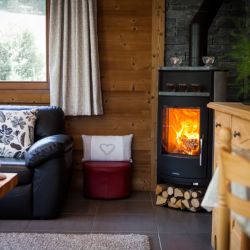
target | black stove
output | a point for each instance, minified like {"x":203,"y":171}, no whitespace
{"x":184,"y":148}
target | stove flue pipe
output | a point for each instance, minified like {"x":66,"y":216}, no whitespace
{"x":198,"y":30}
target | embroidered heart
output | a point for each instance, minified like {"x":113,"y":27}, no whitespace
{"x":107,"y":148}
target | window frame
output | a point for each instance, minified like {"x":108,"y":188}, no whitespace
{"x":32,"y":85}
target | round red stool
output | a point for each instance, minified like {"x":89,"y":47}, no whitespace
{"x":106,"y":179}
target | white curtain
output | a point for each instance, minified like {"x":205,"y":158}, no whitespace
{"x":73,"y":57}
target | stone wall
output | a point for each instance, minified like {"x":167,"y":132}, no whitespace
{"x":179,"y":14}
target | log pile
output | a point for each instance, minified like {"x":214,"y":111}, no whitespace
{"x":179,"y":197}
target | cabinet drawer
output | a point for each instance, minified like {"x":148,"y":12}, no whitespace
{"x":222,"y":120}
{"x":240,"y":133}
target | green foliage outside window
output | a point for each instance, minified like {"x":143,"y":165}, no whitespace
{"x":22,"y":40}
{"x":20,"y":59}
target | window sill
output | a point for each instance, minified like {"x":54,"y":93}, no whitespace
{"x":24,"y":96}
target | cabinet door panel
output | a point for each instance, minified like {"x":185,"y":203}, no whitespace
{"x":235,"y":235}
{"x":240,"y":133}
{"x":214,"y":228}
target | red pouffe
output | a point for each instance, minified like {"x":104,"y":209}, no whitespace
{"x":106,"y":179}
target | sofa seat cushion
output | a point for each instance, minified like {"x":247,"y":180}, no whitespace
{"x":11,"y":165}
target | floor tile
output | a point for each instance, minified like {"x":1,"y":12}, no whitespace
{"x":177,"y":221}
{"x":154,"y":241}
{"x":66,"y":223}
{"x":13,"y":225}
{"x":172,"y":241}
{"x":167,"y":228}
{"x":140,"y":196}
{"x":126,"y":207}
{"x":124,"y":223}
{"x":80,"y":206}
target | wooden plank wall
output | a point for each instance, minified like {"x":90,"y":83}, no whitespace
{"x":131,"y":49}
{"x":125,"y":46}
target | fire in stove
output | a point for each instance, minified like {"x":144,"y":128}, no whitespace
{"x":181,"y":131}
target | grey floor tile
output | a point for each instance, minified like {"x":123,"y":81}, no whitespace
{"x":176,"y":229}
{"x":153,"y":197}
{"x":13,"y":225}
{"x":126,"y":207}
{"x":139,"y":196}
{"x":154,"y":241}
{"x":171,"y":241}
{"x":66,"y":223}
{"x":124,"y":223}
{"x":177,"y":221}
{"x":80,"y":206}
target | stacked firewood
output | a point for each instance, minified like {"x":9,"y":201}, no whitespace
{"x":179,"y":197}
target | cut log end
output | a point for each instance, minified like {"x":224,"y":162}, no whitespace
{"x":170,"y":190}
{"x":161,"y":201}
{"x":160,"y":188}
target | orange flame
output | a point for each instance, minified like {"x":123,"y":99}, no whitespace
{"x":181,"y":131}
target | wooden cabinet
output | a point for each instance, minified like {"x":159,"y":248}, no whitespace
{"x":235,"y":116}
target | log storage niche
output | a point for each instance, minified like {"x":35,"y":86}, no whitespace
{"x":179,"y":197}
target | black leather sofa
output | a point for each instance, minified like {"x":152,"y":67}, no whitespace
{"x":44,"y":173}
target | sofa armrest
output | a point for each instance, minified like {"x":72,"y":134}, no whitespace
{"x":48,"y":148}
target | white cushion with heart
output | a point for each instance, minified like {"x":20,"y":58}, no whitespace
{"x":107,"y":148}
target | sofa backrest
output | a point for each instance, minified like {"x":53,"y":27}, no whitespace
{"x":50,"y":119}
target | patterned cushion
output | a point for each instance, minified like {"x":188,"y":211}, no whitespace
{"x":16,"y":132}
{"x":107,"y":148}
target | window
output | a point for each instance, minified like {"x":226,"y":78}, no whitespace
{"x":23,"y":43}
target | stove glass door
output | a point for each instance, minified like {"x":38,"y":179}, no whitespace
{"x":181,"y":131}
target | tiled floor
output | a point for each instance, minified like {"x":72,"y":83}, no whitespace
{"x":167,"y":228}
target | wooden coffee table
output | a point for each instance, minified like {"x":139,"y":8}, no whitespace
{"x":8,"y":184}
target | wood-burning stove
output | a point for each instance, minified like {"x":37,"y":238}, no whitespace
{"x":184,"y":154}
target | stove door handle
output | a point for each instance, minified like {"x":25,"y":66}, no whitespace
{"x":201,"y":146}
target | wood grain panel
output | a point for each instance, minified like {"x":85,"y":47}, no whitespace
{"x":24,"y":97}
{"x":131,"y":48}
{"x":129,"y":86}
{"x":125,"y":46}
{"x":158,"y":45}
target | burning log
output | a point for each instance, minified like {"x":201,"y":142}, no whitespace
{"x":190,"y":145}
